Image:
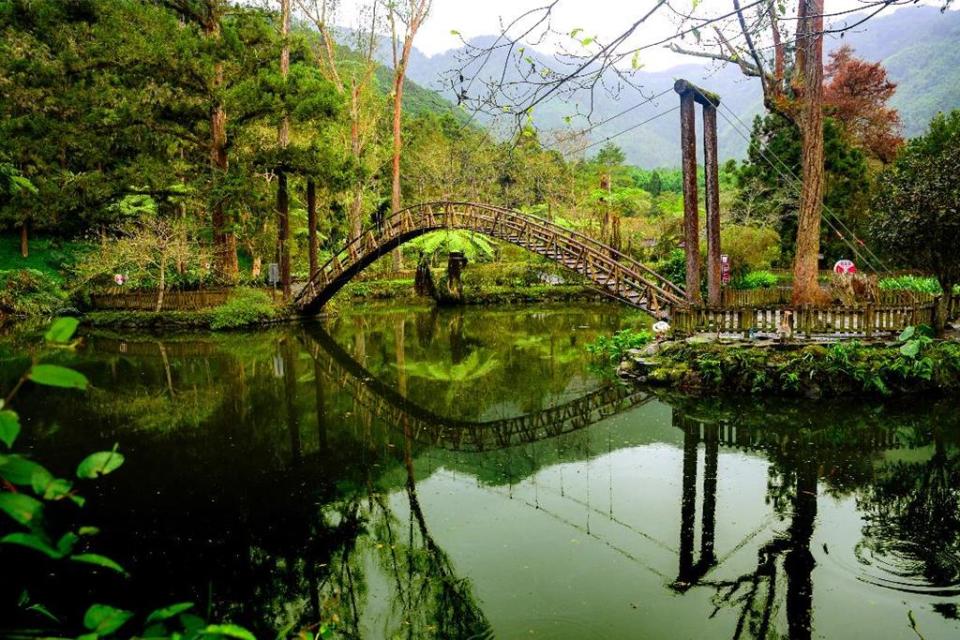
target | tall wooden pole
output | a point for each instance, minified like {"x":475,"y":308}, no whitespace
{"x":691,"y":223}
{"x":712,"y":199}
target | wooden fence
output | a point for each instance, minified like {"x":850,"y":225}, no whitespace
{"x":866,"y":321}
{"x":781,"y":296}
{"x":147,"y":300}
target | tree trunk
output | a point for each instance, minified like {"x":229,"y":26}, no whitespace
{"x":356,"y":207}
{"x":283,"y":140}
{"x":24,"y":240}
{"x":283,"y":232}
{"x":224,"y":240}
{"x":806,"y":289}
{"x":397,"y":142}
{"x":941,"y":312}
{"x":162,"y":282}
{"x":312,"y":225}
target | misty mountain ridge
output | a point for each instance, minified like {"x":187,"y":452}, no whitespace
{"x":917,"y":45}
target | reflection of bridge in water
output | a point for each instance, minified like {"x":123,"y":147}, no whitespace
{"x":427,"y":427}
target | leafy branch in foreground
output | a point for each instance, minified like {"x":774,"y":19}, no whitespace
{"x":29,"y":492}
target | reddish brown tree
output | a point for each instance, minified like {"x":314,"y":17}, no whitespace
{"x":857,"y":92}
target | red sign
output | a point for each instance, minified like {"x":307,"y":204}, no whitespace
{"x":725,"y":269}
{"x":844,"y":267}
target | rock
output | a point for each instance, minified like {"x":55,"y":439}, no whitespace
{"x":651,"y":349}
{"x":626,"y":367}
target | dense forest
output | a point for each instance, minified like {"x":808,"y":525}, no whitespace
{"x":181,"y":144}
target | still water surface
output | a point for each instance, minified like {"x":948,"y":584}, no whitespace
{"x":467,"y":474}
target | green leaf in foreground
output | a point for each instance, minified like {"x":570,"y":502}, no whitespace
{"x":104,"y":620}
{"x":99,"y":464}
{"x":9,"y":427}
{"x":31,"y":541}
{"x":228,"y":631}
{"x":100,"y":561}
{"x":166,"y":613}
{"x":911,"y":349}
{"x":52,"y":375}
{"x":23,"y":509}
{"x":61,"y":330}
{"x":23,"y":471}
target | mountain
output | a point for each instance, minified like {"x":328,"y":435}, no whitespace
{"x":917,"y":45}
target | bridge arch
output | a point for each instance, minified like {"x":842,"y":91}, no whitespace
{"x":385,"y":402}
{"x":611,"y":271}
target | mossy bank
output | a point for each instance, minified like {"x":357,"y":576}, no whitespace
{"x":915,"y":364}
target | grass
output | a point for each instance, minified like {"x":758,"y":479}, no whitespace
{"x":48,"y":256}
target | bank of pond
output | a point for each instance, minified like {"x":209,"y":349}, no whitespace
{"x":464,"y":473}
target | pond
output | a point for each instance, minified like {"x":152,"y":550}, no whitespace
{"x":469,"y":473}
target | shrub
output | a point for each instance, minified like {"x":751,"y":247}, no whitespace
{"x":757,"y":280}
{"x":674,"y":267}
{"x":615,"y":347}
{"x":918,"y":284}
{"x":29,"y":292}
{"x":749,"y":248}
{"x":245,"y":307}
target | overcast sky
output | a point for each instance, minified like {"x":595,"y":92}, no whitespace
{"x":600,"y":18}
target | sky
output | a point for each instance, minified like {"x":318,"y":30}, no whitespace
{"x":598,"y":18}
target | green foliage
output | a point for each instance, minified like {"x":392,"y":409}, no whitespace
{"x":56,"y":376}
{"x":614,"y":348}
{"x":917,"y":284}
{"x":26,"y":292}
{"x":917,"y":221}
{"x":750,"y":248}
{"x":244,"y":308}
{"x":769,"y":193}
{"x":31,"y":519}
{"x":474,"y":246}
{"x":100,"y":464}
{"x":674,"y":267}
{"x":756,"y":280}
{"x":918,"y":363}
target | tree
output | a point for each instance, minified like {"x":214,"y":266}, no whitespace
{"x":917,"y":206}
{"x":856,"y":94}
{"x":283,"y":140}
{"x":768,"y":195}
{"x":411,"y":14}
{"x":353,"y":74}
{"x":610,"y":156}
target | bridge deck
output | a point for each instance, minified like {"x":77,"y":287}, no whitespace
{"x":613,"y":272}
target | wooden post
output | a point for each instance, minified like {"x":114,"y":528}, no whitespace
{"x":712,"y":200}
{"x":691,"y":222}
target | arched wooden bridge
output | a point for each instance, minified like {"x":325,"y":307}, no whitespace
{"x":614,"y":273}
{"x":384,"y":402}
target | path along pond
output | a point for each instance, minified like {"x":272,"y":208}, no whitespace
{"x":409,"y":472}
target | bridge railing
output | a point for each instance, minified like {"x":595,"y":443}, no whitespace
{"x":439,"y":215}
{"x":836,"y":321}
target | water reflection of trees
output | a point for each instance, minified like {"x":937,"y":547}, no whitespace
{"x":316,"y":524}
{"x":911,"y":508}
{"x":427,"y":598}
{"x":526,"y":361}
